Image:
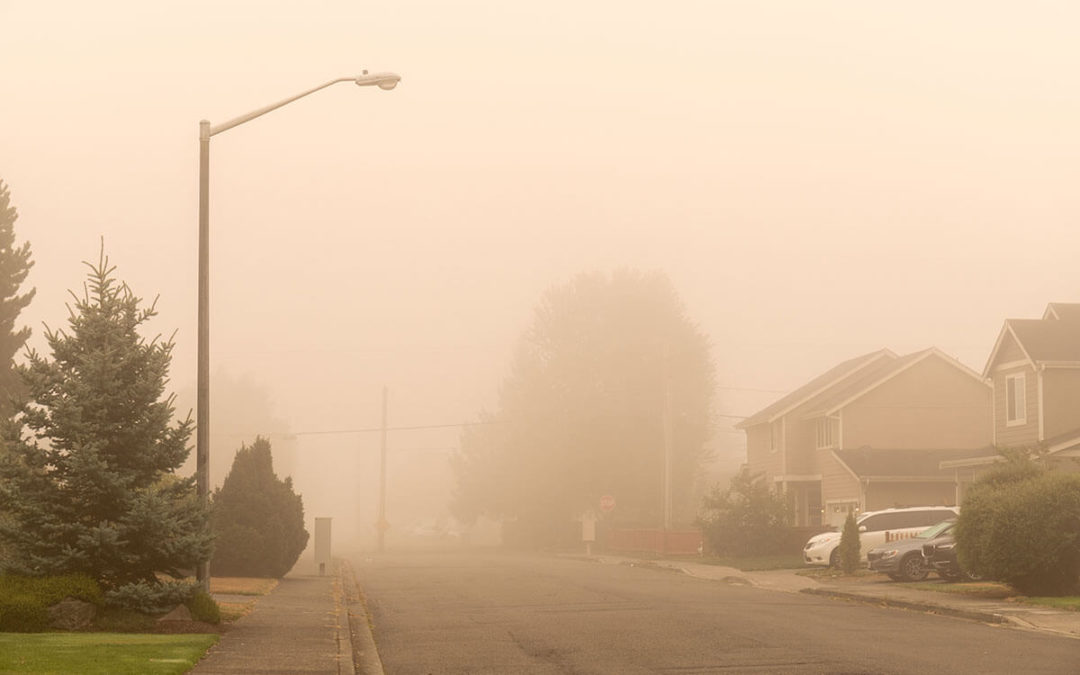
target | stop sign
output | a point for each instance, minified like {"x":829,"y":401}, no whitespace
{"x":607,"y":503}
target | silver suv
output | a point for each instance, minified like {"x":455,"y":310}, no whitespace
{"x":876,"y":528}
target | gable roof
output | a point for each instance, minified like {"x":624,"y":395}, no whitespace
{"x":1062,"y":310}
{"x":842,"y":396}
{"x":1054,"y":338}
{"x":815,"y":387}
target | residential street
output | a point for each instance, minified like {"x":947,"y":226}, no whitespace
{"x":456,"y":612}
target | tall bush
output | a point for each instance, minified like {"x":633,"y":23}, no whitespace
{"x":258,"y":519}
{"x":1024,"y":531}
{"x":748,"y":518}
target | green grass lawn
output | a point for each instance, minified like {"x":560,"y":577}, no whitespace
{"x":998,"y":591}
{"x":106,"y":653}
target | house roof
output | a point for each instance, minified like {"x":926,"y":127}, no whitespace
{"x":816,"y":386}
{"x":1053,"y":338}
{"x":1062,"y":310}
{"x":839,"y":397}
{"x":880,"y":463}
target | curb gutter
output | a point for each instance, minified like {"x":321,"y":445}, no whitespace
{"x":975,"y":615}
{"x":364,"y":653}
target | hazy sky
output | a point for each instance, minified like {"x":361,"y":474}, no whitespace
{"x":819,"y":179}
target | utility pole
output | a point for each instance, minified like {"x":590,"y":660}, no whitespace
{"x":667,"y":446}
{"x":381,"y":524}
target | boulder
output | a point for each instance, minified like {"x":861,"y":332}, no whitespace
{"x":72,"y":614}
{"x":178,"y":613}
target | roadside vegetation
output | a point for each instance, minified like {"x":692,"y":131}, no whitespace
{"x":1020,"y":524}
{"x":258,"y":518}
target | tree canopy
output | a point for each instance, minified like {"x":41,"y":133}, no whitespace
{"x":89,"y":484}
{"x":582,"y":412}
{"x":258,"y":519}
{"x":15,"y":265}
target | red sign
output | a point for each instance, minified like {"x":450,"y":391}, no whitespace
{"x":607,"y":503}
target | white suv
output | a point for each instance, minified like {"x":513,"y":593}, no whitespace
{"x":875,"y":528}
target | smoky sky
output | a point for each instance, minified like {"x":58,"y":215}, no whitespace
{"x":817,"y":179}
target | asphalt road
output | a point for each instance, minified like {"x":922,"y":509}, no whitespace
{"x":510,"y":613}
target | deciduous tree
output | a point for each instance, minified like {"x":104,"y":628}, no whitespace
{"x":582,"y":412}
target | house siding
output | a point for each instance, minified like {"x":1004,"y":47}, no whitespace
{"x":1061,"y":400}
{"x":760,"y":459}
{"x":1009,"y":351}
{"x":932,"y":405}
{"x":1022,"y":434}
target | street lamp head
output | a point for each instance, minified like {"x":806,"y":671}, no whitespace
{"x":385,"y":81}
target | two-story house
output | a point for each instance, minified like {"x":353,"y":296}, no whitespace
{"x":1034,"y":369}
{"x":872,"y":433}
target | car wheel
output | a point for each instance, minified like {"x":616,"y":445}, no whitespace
{"x":950,"y":576}
{"x":913,"y":568}
{"x":834,"y":558}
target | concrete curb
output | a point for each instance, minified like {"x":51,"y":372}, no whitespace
{"x":342,"y":628}
{"x":364,"y":653}
{"x":974,"y":615}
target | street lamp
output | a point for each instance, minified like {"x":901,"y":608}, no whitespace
{"x":385,"y":81}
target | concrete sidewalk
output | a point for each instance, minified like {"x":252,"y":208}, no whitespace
{"x":880,"y":591}
{"x":302,"y":626}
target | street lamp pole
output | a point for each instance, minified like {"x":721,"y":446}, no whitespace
{"x":202,"y":409}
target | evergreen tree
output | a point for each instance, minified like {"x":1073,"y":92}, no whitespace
{"x":850,"y":548}
{"x":15,"y":264}
{"x":89,"y":483}
{"x":258,"y":519}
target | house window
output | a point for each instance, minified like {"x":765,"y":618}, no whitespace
{"x":1015,"y":400}
{"x":824,"y":433}
{"x":775,"y":436}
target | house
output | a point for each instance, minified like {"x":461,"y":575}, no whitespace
{"x":871,"y":433}
{"x":1034,"y":369}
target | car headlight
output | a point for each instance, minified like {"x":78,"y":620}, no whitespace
{"x":888,"y":554}
{"x":946,"y":547}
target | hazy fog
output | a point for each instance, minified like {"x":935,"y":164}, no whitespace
{"x":818,"y":179}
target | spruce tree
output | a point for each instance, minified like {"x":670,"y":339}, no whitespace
{"x":15,"y":264}
{"x":258,"y":519}
{"x":89,"y":483}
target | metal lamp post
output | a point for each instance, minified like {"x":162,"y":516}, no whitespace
{"x":202,"y":414}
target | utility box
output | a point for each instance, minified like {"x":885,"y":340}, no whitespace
{"x":322,"y":544}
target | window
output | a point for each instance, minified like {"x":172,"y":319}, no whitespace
{"x":776,"y":435}
{"x":824,"y":433}
{"x":1015,"y":400}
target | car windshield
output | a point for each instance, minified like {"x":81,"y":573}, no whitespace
{"x":936,"y":530}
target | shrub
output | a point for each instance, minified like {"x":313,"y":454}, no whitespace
{"x":24,"y":601}
{"x":148,"y":598}
{"x":23,"y":613}
{"x":849,"y":549}
{"x":746,"y":519}
{"x":204,"y":608}
{"x":51,"y":590}
{"x":1023,"y":527}
{"x":258,"y":519}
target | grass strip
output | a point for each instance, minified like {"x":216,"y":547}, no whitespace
{"x":104,"y":653}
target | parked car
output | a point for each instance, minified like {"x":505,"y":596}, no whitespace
{"x":903,"y":559}
{"x":875,"y":528}
{"x":940,"y":554}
